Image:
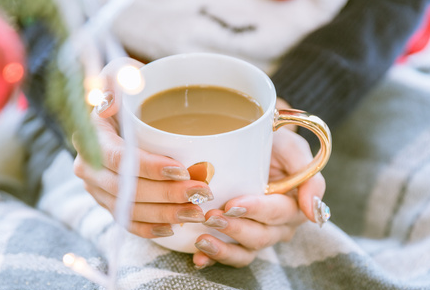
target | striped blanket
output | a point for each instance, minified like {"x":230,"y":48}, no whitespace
{"x":379,"y":237}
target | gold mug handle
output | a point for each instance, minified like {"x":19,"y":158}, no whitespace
{"x":320,"y":129}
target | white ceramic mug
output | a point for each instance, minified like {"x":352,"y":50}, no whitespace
{"x":241,"y":158}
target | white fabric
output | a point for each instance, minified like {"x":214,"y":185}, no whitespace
{"x":154,"y":29}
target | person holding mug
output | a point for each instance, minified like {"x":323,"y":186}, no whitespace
{"x":164,"y":188}
{"x":330,"y":90}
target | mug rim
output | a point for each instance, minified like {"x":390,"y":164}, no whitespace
{"x":270,"y":109}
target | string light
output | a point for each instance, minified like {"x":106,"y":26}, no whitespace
{"x":95,"y":97}
{"x":80,"y":266}
{"x":130,"y":79}
{"x":131,"y":82}
{"x":93,"y":85}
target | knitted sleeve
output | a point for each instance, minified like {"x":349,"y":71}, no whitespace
{"x":332,"y":68}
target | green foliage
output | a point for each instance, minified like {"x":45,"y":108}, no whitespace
{"x":65,"y":97}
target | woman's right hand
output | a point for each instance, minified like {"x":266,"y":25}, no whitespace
{"x":163,"y":184}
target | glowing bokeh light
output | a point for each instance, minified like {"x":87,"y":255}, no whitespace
{"x":80,"y":266}
{"x":130,"y":79}
{"x":13,"y":72}
{"x":68,"y":259}
{"x":95,"y":97}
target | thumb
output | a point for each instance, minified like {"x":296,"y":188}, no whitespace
{"x":310,"y":194}
{"x":111,"y":102}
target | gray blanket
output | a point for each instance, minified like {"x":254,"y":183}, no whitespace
{"x":378,"y":188}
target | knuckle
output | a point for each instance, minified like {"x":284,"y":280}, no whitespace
{"x":276,"y":215}
{"x":167,"y":193}
{"x":147,"y":166}
{"x":110,"y":185}
{"x":261,"y":243}
{"x":145,"y":170}
{"x":267,"y":219}
{"x":234,"y":229}
{"x":114,"y":158}
{"x":288,"y":235}
{"x":110,"y":204}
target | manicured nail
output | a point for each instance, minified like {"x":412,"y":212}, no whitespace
{"x":198,"y":195}
{"x":190,"y":215}
{"x":162,"y":231}
{"x":176,"y":173}
{"x":235,"y":212}
{"x":321,"y":211}
{"x":207,"y":264}
{"x":105,"y":103}
{"x":216,"y":222}
{"x":197,"y":267}
{"x":206,"y":247}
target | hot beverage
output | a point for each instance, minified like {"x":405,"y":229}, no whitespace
{"x":199,"y":110}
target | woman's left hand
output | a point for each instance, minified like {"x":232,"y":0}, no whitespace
{"x":257,"y":222}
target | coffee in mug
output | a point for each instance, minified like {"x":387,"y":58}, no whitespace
{"x":200,"y":110}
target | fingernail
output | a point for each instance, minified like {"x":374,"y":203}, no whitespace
{"x":206,"y":247}
{"x":190,"y":215}
{"x":235,"y":212}
{"x":207,"y":264}
{"x":197,"y":267}
{"x":162,"y":231}
{"x":216,"y":222}
{"x":321,"y":211}
{"x":105,"y":103}
{"x":176,"y":173}
{"x":198,"y":195}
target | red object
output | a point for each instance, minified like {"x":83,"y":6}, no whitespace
{"x":419,"y":40}
{"x":12,"y":67}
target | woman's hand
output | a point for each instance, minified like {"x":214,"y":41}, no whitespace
{"x":257,"y":222}
{"x":163,"y":184}
{"x":164,"y":187}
